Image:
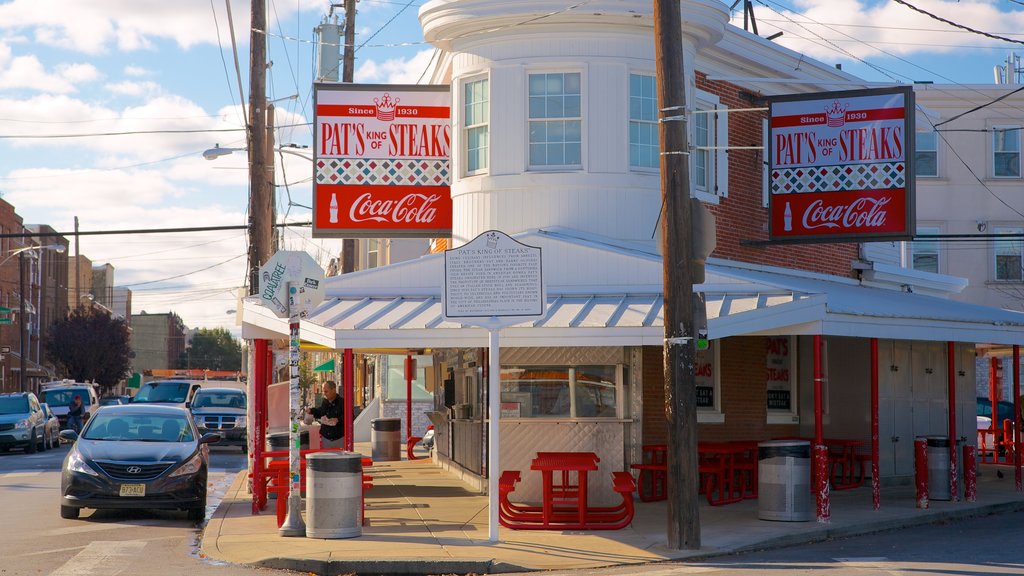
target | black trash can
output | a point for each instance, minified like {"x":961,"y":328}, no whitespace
{"x":938,"y":468}
{"x":385,"y":439}
{"x":279,"y":440}
{"x":784,"y":480}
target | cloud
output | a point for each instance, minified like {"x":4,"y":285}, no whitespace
{"x":136,"y":71}
{"x":855,"y":29}
{"x":129,"y":88}
{"x":396,"y":70}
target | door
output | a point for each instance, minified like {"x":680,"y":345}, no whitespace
{"x":895,"y":409}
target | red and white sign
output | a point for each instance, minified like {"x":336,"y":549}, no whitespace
{"x":841,"y":166}
{"x":382,"y":161}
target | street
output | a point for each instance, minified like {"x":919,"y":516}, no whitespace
{"x":36,"y":541}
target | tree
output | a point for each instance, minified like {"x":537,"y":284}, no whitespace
{"x":90,"y":346}
{"x":212,"y":349}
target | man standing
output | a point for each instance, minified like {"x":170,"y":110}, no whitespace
{"x":329,"y":414}
{"x":76,"y":412}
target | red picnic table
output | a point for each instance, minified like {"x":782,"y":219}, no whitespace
{"x":729,"y":470}
{"x":569,"y":490}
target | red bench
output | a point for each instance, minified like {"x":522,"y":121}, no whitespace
{"x":527,"y":517}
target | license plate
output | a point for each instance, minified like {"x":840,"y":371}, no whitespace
{"x":133,"y":489}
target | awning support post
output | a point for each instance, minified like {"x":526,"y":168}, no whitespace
{"x":819,"y":454}
{"x":876,"y":484}
{"x":954,"y":482}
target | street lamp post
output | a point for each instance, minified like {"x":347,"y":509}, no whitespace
{"x":20,"y":253}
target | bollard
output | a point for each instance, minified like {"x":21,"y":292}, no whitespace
{"x":1008,"y":441}
{"x":921,"y":470}
{"x":970,"y":474}
{"x":334,"y":485}
{"x":821,"y":483}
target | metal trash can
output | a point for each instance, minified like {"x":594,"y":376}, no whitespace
{"x":334,"y":495}
{"x":784,"y":480}
{"x":938,"y":468}
{"x":385,"y":439}
{"x":279,"y":440}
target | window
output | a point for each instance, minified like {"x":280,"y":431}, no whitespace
{"x":781,"y":380}
{"x":708,"y":138}
{"x":643,"y":122}
{"x":924,"y":254}
{"x":372,"y":253}
{"x":476,"y":116}
{"x":1008,"y":255}
{"x":555,"y":120}
{"x":709,"y":402}
{"x":926,"y":154}
{"x":394,"y":384}
{"x":1006,"y":151}
{"x":559,"y":392}
{"x":700,"y":153}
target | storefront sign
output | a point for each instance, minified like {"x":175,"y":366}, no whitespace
{"x":381,"y":161}
{"x":494,"y":275}
{"x":779,"y":372}
{"x":841,"y":166}
{"x":704,"y":374}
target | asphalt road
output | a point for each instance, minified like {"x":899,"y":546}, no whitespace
{"x":35,"y":540}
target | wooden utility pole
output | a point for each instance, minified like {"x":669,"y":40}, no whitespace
{"x":260,"y":187}
{"x":348,"y":245}
{"x":680,"y":384}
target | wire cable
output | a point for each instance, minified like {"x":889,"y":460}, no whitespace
{"x":954,"y":24}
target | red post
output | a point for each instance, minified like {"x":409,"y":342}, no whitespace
{"x":954,"y":481}
{"x":921,"y":470}
{"x":350,"y":398}
{"x":1016,"y":418}
{"x":970,"y":474}
{"x":261,"y":367}
{"x":876,"y":485}
{"x":1008,"y":441}
{"x":410,"y":368}
{"x":820,"y":451}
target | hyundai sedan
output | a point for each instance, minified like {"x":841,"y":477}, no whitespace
{"x":137,"y":456}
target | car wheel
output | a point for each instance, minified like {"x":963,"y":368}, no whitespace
{"x":197,"y":514}
{"x":69,"y":512}
{"x":32,"y":443}
{"x":43,"y":444}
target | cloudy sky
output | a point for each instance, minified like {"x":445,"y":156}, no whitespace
{"x":107,"y":105}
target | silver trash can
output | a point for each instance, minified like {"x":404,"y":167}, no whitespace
{"x":334,"y":495}
{"x":385,"y":439}
{"x":784,"y":480}
{"x":938,"y":468}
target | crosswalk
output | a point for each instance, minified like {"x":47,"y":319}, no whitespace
{"x":101,"y":557}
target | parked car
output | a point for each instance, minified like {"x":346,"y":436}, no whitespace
{"x":59,"y":395}
{"x":1004,"y":410}
{"x":177,"y":392}
{"x":221,"y":410}
{"x":52,"y":427}
{"x":114,"y":400}
{"x":147,"y":456}
{"x":22,"y":422}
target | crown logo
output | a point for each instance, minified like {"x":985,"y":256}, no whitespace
{"x":835,"y":114}
{"x":386,"y":107}
{"x":492,"y":240}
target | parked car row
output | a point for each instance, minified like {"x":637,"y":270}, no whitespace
{"x":27,"y":423}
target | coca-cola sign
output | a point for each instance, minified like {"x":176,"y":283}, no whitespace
{"x":385,"y":211}
{"x":841,"y":166}
{"x":382,"y":161}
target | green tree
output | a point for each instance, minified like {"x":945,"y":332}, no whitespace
{"x":90,"y":346}
{"x":212,"y":349}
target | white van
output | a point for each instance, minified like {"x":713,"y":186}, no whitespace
{"x":60,"y":393}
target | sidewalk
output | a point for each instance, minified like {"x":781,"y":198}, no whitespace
{"x":422,"y":520}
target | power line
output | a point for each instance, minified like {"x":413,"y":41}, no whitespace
{"x":954,"y":24}
{"x":142,"y":231}
{"x":976,"y":108}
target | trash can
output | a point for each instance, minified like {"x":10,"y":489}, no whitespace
{"x":938,"y":468}
{"x":784,"y":480}
{"x":334,"y":495}
{"x":385,"y":439}
{"x":279,"y":440}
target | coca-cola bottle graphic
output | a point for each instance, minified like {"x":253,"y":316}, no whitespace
{"x":334,"y":208}
{"x":787,"y":219}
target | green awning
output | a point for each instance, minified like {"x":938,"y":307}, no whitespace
{"x":325,"y":367}
{"x":6,"y":310}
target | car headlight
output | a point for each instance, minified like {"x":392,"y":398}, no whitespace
{"x":21,"y":423}
{"x":78,"y":464}
{"x":240,"y":422}
{"x":191,"y":467}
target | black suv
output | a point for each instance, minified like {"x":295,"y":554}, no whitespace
{"x":221,"y":411}
{"x":22,"y":422}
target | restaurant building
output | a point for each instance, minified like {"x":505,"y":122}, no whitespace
{"x":555,"y":142}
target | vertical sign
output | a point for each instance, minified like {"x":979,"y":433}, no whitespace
{"x":841,"y":166}
{"x":779,"y":370}
{"x":704,"y":373}
{"x":382,"y":161}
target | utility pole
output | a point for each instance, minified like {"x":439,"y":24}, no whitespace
{"x":260,"y":187}
{"x":680,"y":332}
{"x":348,"y":245}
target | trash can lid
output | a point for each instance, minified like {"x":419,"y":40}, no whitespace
{"x":939,"y":441}
{"x":783,"y":449}
{"x":342,"y":462}
{"x":386,"y":424}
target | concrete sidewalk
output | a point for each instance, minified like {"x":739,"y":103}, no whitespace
{"x":422,"y":520}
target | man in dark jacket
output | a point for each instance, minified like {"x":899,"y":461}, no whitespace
{"x":329,"y":414}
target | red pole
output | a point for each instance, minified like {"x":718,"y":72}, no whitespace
{"x":921,"y":470}
{"x":820,"y":452}
{"x":408,"y":396}
{"x":970,"y":474}
{"x":259,"y":376}
{"x":1016,"y":418}
{"x":876,"y":484}
{"x":954,"y":481}
{"x":349,"y":398}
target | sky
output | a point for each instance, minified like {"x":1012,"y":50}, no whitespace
{"x":106,"y":107}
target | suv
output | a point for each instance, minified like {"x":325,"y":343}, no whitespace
{"x":22,"y":422}
{"x":61,"y":393}
{"x":221,"y":411}
{"x":178,"y":392}
{"x":1004,"y":410}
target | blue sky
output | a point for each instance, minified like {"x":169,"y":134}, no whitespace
{"x":86,"y":67}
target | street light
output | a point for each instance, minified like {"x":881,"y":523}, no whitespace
{"x":217,"y":151}
{"x":20,"y":253}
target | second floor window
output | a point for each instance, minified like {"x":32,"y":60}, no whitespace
{"x":1008,"y":255}
{"x":924,"y":254}
{"x":1006,"y":152}
{"x":556,"y":119}
{"x":926,"y":155}
{"x":476,"y":117}
{"x":699,"y":154}
{"x":643,"y":122}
